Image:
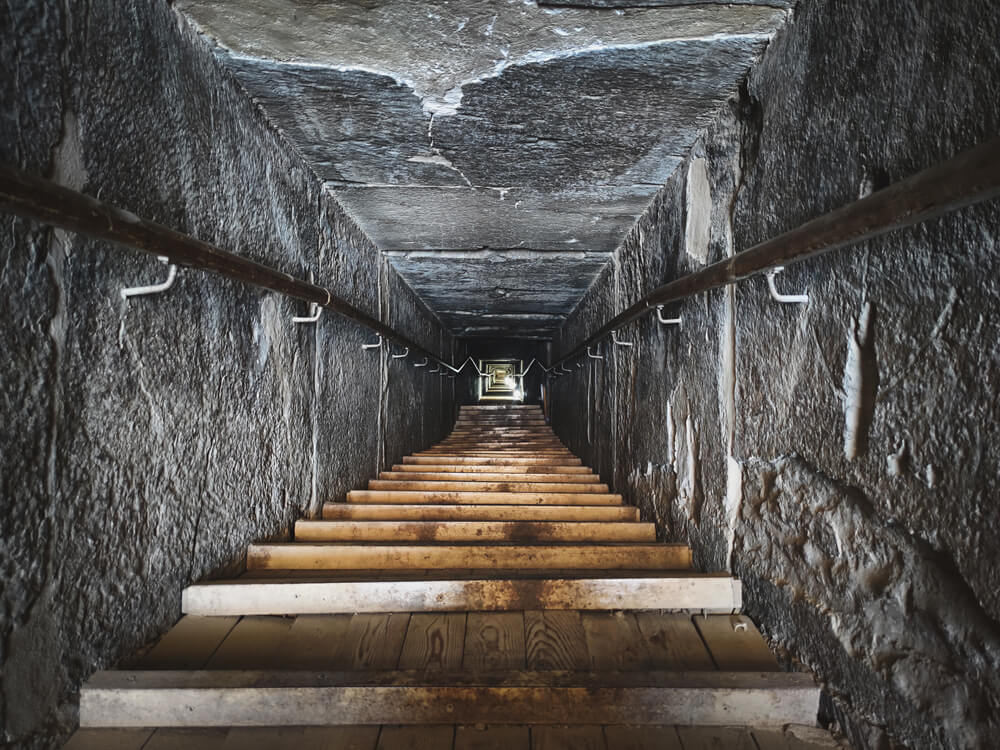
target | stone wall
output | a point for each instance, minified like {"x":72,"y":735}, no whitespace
{"x":839,"y":456}
{"x":145,"y":443}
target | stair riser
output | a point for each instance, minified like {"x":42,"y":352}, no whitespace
{"x":445,"y":486}
{"x":583,"y":513}
{"x":483,"y":498}
{"x":238,"y":699}
{"x":712,"y":594}
{"x":515,"y":479}
{"x":301,"y":556}
{"x":524,"y":532}
{"x":487,"y":469}
{"x":486,"y":461}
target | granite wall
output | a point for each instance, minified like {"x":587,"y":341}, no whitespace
{"x":146,"y":442}
{"x":840,"y":456}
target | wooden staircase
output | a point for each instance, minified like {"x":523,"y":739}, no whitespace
{"x":487,"y":592}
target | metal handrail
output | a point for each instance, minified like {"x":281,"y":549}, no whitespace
{"x":967,"y":179}
{"x":51,"y":203}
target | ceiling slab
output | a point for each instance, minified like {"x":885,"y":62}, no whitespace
{"x":458,"y":127}
{"x":486,"y":292}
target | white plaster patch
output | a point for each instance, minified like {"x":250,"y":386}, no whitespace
{"x":698,"y":231}
{"x":857,"y":402}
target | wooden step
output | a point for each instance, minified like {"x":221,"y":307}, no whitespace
{"x":465,"y":737}
{"x":472,"y":486}
{"x":300,"y":556}
{"x":431,"y":476}
{"x":483,"y":498}
{"x":488,"y":469}
{"x":401,"y":512}
{"x":526,"y":452}
{"x":642,"y":591}
{"x":486,"y":461}
{"x":254,"y":698}
{"x":472,"y":531}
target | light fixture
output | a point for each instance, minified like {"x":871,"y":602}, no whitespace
{"x":517,"y":394}
{"x":508,"y":381}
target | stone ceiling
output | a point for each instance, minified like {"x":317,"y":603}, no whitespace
{"x":496,"y":151}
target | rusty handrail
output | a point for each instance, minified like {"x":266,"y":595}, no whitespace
{"x":50,"y":203}
{"x":969,"y":178}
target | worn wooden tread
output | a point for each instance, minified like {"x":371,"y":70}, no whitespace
{"x":472,"y":512}
{"x":444,"y":476}
{"x":464,"y":737}
{"x":487,"y":469}
{"x":256,"y":698}
{"x":473,"y":531}
{"x":390,"y":556}
{"x":294,"y":596}
{"x":481,"y":486}
{"x":483,"y":498}
{"x":487,"y":461}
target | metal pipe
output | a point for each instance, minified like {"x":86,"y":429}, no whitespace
{"x":48,"y":202}
{"x":967,"y":179}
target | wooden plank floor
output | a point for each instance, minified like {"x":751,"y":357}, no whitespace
{"x":476,"y":641}
{"x":459,"y":737}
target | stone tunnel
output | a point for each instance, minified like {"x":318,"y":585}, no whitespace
{"x":495,"y":180}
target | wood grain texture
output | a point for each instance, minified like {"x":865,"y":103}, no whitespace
{"x":555,"y":640}
{"x":434,"y":641}
{"x":494,"y":641}
{"x":187,"y":645}
{"x":735,"y":643}
{"x":372,"y":641}
{"x":673,"y":642}
{"x":312,"y":642}
{"x":614,"y":641}
{"x":252,"y":644}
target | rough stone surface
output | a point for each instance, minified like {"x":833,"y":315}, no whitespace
{"x":839,"y":456}
{"x":145,"y":443}
{"x":482,"y":125}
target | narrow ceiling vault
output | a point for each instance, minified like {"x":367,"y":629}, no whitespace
{"x":497,"y":151}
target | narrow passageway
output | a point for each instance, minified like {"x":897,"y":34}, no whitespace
{"x":488,"y":592}
{"x":497,"y":372}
